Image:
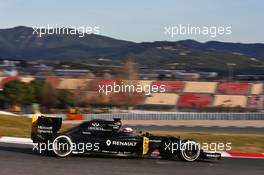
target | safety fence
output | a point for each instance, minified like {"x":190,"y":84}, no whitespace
{"x":168,"y":116}
{"x":179,"y":116}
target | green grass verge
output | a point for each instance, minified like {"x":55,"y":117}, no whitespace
{"x":18,"y":126}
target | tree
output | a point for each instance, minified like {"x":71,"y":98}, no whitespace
{"x":130,"y":70}
{"x":64,"y":98}
{"x":49,"y":96}
{"x":16,"y":93}
{"x":37,"y":86}
{"x":2,"y":99}
{"x":129,"y":77}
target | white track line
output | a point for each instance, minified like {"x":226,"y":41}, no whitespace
{"x":17,"y":140}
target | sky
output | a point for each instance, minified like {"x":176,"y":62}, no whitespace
{"x":141,"y":20}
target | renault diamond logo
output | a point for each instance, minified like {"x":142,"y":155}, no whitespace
{"x":108,"y":142}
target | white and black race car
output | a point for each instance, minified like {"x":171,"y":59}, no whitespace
{"x":108,"y":138}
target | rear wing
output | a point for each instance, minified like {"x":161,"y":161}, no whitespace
{"x":44,"y":127}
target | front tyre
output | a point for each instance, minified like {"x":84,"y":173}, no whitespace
{"x":190,"y":151}
{"x":62,"y":146}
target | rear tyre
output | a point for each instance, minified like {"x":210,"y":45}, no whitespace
{"x":190,"y":151}
{"x":62,"y":146}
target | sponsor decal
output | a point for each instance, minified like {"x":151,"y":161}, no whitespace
{"x":108,"y":142}
{"x":213,"y":155}
{"x":120,"y":143}
{"x":95,"y":126}
{"x":45,"y":129}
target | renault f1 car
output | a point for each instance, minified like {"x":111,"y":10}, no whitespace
{"x":107,"y":137}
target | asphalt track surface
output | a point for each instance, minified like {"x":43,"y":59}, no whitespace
{"x":20,"y":160}
{"x":214,"y":129}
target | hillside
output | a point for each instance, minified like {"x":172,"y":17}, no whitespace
{"x":20,"y":43}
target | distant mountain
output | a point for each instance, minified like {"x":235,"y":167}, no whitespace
{"x":254,"y":50}
{"x":20,"y":43}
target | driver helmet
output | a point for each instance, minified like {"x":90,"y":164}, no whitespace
{"x":128,"y":130}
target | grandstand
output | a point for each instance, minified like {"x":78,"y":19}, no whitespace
{"x":171,"y":86}
{"x":145,"y":82}
{"x":73,"y":84}
{"x":200,"y":87}
{"x":257,"y":88}
{"x":255,"y":102}
{"x":166,"y":99}
{"x":234,"y":88}
{"x":53,"y":81}
{"x":27,"y":79}
{"x":182,"y":94}
{"x":96,"y":83}
{"x":230,"y":101}
{"x":195,"y":100}
{"x":185,"y":94}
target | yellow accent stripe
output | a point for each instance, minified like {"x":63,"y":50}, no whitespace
{"x":145,"y":145}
